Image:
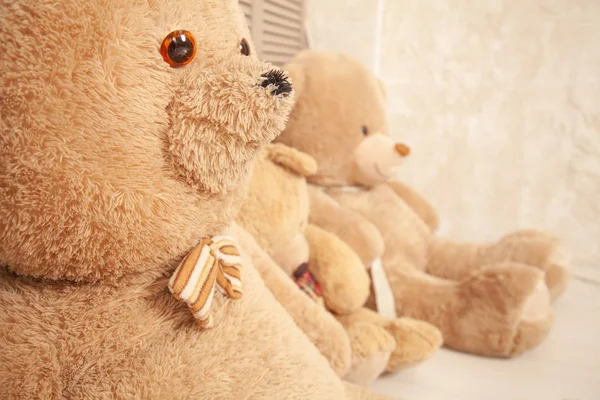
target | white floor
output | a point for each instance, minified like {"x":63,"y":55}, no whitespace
{"x":565,"y":367}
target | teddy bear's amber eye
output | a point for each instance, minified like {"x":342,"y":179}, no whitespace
{"x":365,"y":130}
{"x":178,"y":48}
{"x":244,"y":47}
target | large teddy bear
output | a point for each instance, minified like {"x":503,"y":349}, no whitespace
{"x":276,"y":213}
{"x":487,"y":298}
{"x":127,"y":136}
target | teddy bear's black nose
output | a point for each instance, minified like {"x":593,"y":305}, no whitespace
{"x":278,"y":79}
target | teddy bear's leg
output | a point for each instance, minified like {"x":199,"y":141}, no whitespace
{"x":328,"y":335}
{"x":372,"y":347}
{"x":540,"y":249}
{"x":416,"y":341}
{"x":455,"y":260}
{"x":502,"y":310}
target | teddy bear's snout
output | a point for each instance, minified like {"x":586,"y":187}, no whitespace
{"x":278,"y":81}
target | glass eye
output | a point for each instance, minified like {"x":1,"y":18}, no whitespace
{"x":365,"y":130}
{"x":244,"y":47}
{"x":178,"y":48}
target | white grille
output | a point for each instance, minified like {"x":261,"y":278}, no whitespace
{"x":277,"y":28}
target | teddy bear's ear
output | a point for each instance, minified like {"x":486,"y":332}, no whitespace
{"x":382,"y":88}
{"x":292,"y":159}
{"x":297,"y":73}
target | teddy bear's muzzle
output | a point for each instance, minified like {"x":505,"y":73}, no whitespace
{"x":378,"y":157}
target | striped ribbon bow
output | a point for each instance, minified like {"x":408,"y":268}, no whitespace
{"x":214,"y":264}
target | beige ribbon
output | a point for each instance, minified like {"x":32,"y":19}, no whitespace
{"x":214,"y":264}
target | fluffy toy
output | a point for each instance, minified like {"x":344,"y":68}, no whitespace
{"x":121,"y":169}
{"x":328,"y":271}
{"x":488,"y":299}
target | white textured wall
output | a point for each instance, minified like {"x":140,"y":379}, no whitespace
{"x":348,"y":26}
{"x":500,"y":101}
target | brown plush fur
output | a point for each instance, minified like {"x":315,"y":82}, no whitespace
{"x":486,"y":298}
{"x":276,"y":213}
{"x":356,"y":392}
{"x":112,"y":166}
{"x":321,"y":328}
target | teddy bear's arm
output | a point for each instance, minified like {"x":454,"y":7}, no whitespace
{"x":417,"y":202}
{"x":338,"y":269}
{"x":355,"y":230}
{"x":328,"y":335}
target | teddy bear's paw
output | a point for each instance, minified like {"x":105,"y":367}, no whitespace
{"x":500,"y":311}
{"x":530,"y":333}
{"x":557,"y":273}
{"x":536,"y":319}
{"x":541,"y":250}
{"x":416,"y":341}
{"x":537,"y":305}
{"x":372,"y":347}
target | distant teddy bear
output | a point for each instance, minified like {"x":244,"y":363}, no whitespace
{"x":487,"y":298}
{"x":276,"y":213}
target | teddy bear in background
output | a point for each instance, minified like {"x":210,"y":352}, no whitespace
{"x":276,"y":213}
{"x":488,"y":299}
{"x":127,"y":138}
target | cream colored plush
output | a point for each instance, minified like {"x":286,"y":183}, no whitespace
{"x":276,"y":214}
{"x":487,"y":298}
{"x":113,"y":166}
